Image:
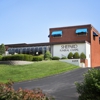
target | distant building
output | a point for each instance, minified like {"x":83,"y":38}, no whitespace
{"x":63,"y":40}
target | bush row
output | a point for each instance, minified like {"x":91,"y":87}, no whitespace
{"x":23,"y":57}
{"x":55,"y":58}
{"x":37,"y":58}
{"x":47,"y":56}
{"x":76,"y":55}
{"x":8,"y":93}
{"x":71,"y":56}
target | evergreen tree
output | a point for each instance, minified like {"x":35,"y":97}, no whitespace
{"x":70,"y":55}
{"x":82,"y":56}
{"x":76,"y":55}
{"x":47,"y":55}
{"x":2,"y":49}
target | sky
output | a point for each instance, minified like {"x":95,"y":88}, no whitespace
{"x":29,"y":21}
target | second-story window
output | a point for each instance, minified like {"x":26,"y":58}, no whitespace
{"x":56,"y":33}
{"x":81,"y":31}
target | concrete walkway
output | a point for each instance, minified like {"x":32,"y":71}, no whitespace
{"x":61,"y":86}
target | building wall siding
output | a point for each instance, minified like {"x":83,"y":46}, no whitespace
{"x":95,"y":49}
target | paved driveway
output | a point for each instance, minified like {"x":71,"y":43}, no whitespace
{"x":61,"y":86}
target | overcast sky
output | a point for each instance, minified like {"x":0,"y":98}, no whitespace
{"x":28,"y":21}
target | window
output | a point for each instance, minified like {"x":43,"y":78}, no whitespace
{"x":17,"y":50}
{"x":23,"y":50}
{"x":95,"y":34}
{"x":28,"y":50}
{"x":99,"y":38}
{"x":56,"y":33}
{"x":36,"y":50}
{"x":82,"y":31}
{"x":40,"y":50}
{"x":44,"y":49}
{"x":32,"y":50}
{"x":10,"y":50}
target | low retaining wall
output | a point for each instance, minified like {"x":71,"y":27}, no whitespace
{"x":15,"y":62}
{"x":72,"y":61}
{"x":76,"y":62}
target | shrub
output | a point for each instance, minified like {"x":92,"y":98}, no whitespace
{"x":76,"y":55}
{"x":47,"y":55}
{"x":24,"y":57}
{"x":17,"y":57}
{"x":28,"y":57}
{"x":55,"y":58}
{"x":40,"y":58}
{"x":37,"y":58}
{"x":8,"y":93}
{"x":47,"y":59}
{"x":89,"y":89}
{"x":70,"y":55}
{"x":4,"y":58}
{"x":82,"y":56}
{"x":0,"y":57}
{"x":63,"y":57}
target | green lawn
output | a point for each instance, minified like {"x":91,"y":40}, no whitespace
{"x":33,"y":71}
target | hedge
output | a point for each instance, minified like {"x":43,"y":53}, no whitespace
{"x":37,"y":58}
{"x":55,"y":58}
{"x":24,"y":57}
{"x":64,"y":57}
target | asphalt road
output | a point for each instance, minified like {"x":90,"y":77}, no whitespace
{"x":60,"y":86}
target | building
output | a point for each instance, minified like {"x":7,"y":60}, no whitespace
{"x":63,"y":40}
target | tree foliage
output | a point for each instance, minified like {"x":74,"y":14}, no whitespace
{"x":55,"y":58}
{"x":70,"y":55}
{"x":89,"y":89}
{"x":2,"y":49}
{"x":47,"y":55}
{"x":76,"y":55}
{"x":82,"y":56}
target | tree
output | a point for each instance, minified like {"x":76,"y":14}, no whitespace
{"x":76,"y":55}
{"x":70,"y":55}
{"x":2,"y":49}
{"x":89,"y":89}
{"x":47,"y":55}
{"x":82,"y":56}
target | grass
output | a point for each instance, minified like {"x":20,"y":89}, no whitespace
{"x":36,"y":70}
